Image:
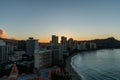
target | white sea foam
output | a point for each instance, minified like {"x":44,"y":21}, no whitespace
{"x":75,"y":67}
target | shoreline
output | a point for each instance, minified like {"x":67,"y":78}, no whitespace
{"x":71,"y":70}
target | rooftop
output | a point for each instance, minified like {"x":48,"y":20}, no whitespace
{"x":42,"y":51}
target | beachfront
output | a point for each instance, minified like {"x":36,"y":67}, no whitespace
{"x":70,"y":69}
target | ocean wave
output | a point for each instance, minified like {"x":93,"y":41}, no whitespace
{"x":75,"y":68}
{"x":99,"y":66}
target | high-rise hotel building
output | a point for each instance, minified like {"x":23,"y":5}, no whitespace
{"x":4,"y":50}
{"x":32,"y":46}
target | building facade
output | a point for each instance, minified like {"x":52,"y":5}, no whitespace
{"x":32,"y":46}
{"x":64,"y":42}
{"x":55,"y":47}
{"x":4,"y":51}
{"x":70,"y":43}
{"x":43,"y":59}
{"x":54,"y":40}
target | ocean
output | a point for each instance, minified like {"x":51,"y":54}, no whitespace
{"x":98,"y":65}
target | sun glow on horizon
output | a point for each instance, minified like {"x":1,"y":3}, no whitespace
{"x":48,"y":39}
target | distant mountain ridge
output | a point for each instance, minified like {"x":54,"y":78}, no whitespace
{"x":110,"y":42}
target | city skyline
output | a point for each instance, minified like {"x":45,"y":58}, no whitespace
{"x":78,"y":19}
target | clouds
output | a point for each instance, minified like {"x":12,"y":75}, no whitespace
{"x":3,"y":34}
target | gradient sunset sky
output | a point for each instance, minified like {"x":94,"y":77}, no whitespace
{"x":79,"y":19}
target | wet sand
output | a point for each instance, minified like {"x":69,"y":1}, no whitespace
{"x":71,"y":71}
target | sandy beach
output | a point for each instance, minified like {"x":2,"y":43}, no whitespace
{"x":71,"y":71}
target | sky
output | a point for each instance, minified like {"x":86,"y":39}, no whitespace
{"x":79,"y":19}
